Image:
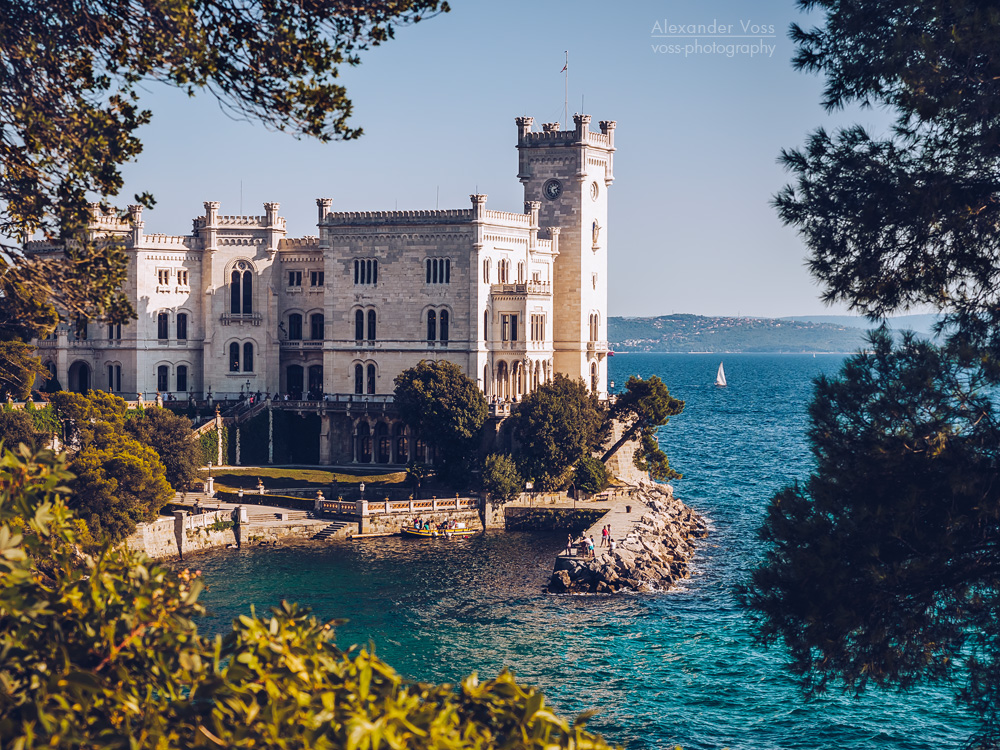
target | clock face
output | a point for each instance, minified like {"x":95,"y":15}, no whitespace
{"x":552,"y":189}
{"x":593,"y":191}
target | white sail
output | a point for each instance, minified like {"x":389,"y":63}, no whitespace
{"x":720,"y":379}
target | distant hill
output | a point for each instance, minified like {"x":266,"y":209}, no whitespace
{"x":696,"y":333}
{"x":921,"y":324}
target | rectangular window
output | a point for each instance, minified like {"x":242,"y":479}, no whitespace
{"x":316,"y":278}
{"x":182,"y":278}
{"x":505,"y":328}
{"x":163,"y":277}
{"x":182,"y":331}
{"x":182,"y":378}
{"x":365,"y":272}
{"x":538,"y":328}
{"x":114,"y":331}
{"x":295,"y":278}
{"x":513,"y":328}
{"x":161,"y":326}
{"x":437,"y":271}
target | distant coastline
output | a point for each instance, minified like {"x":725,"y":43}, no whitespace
{"x":690,"y":334}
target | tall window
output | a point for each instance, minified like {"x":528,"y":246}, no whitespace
{"x":365,"y":271}
{"x":182,"y":278}
{"x":371,"y":325}
{"x":163,"y":277}
{"x":359,"y":326}
{"x":371,"y":378}
{"x":431,"y":325}
{"x":509,"y":330}
{"x":316,"y":322}
{"x":503,"y":271}
{"x":538,"y":328}
{"x":443,"y":326}
{"x":520,"y":273}
{"x":486,"y":325}
{"x":248,"y":357}
{"x":295,"y":327}
{"x":438,"y":270}
{"x":359,"y":379}
{"x":114,"y":378}
{"x":595,"y":326}
{"x":234,"y":357}
{"x":182,"y":327}
{"x":162,"y":321}
{"x":486,"y":270}
{"x":241,"y":289}
{"x":162,"y":376}
{"x":294,"y":279}
{"x":316,"y":278}
{"x":114,"y":331}
{"x":182,"y":377}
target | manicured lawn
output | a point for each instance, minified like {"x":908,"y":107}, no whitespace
{"x":320,"y":478}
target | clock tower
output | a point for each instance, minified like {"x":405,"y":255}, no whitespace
{"x":570,"y":172}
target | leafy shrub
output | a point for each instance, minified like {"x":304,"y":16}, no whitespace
{"x":124,"y":664}
{"x":591,"y":475}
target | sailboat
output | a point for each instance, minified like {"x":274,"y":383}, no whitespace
{"x":720,"y":379}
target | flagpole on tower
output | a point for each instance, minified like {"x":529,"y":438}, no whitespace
{"x":566,"y":99}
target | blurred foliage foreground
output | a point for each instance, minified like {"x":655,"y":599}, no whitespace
{"x":101,"y":650}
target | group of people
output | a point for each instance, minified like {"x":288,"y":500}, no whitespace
{"x":425,"y":525}
{"x":585,"y":544}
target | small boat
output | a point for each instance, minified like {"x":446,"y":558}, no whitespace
{"x":457,"y":533}
{"x":720,"y":379}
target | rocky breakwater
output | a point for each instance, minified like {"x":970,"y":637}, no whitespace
{"x":653,"y":554}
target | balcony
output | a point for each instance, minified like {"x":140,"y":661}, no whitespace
{"x":300,"y":344}
{"x":530,"y":287}
{"x":597,"y":347}
{"x":252,"y":319}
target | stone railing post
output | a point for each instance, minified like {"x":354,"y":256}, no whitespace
{"x":362,"y":508}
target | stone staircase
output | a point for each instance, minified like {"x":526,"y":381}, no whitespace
{"x":332,"y":530}
{"x":291,"y":515}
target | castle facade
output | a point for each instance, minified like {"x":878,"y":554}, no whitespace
{"x":237,"y":306}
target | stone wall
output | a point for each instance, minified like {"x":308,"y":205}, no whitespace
{"x":393,"y":524}
{"x":621,"y":464}
{"x":573,"y":520}
{"x":170,"y":538}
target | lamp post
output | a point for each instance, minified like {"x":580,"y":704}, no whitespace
{"x":528,"y":487}
{"x":362,"y":488}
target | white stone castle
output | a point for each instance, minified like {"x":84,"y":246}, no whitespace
{"x":238,"y":307}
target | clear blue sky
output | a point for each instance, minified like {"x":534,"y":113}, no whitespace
{"x":691,"y":229}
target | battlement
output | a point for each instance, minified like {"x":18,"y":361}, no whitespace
{"x":521,"y":220}
{"x":298,"y":243}
{"x":382,"y":218}
{"x":551,"y":135}
{"x":176,"y":240}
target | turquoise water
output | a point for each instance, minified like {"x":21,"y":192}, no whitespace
{"x":678,"y":668}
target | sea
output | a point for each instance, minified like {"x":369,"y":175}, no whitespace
{"x":665,"y":669}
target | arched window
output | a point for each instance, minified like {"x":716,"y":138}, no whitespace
{"x":359,"y":379}
{"x":431,"y":325}
{"x":371,"y":325}
{"x":234,"y":293}
{"x":383,"y":443}
{"x":316,"y":382}
{"x":316,"y":324}
{"x":162,"y":321}
{"x":294,"y":327}
{"x":234,"y":357}
{"x":248,"y":357}
{"x":182,"y":330}
{"x":593,"y":377}
{"x":371,"y":378}
{"x":247,"y":292}
{"x":359,"y":326}
{"x":162,"y":376}
{"x":182,"y":377}
{"x":443,"y":326}
{"x":486,"y":325}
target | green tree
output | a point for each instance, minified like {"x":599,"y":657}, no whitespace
{"x":171,"y":437}
{"x":555,"y":425}
{"x":644,"y":406}
{"x":883,"y":565}
{"x":119,"y":483}
{"x":65,"y":135}
{"x":19,"y":366}
{"x":17,"y":426}
{"x":92,"y":418}
{"x":591,"y":475}
{"x":116,"y":637}
{"x":445,"y":407}
{"x":501,"y":479}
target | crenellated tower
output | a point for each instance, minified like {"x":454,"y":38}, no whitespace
{"x":570,"y":172}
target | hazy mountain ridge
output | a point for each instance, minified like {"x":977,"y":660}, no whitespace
{"x":696,"y":333}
